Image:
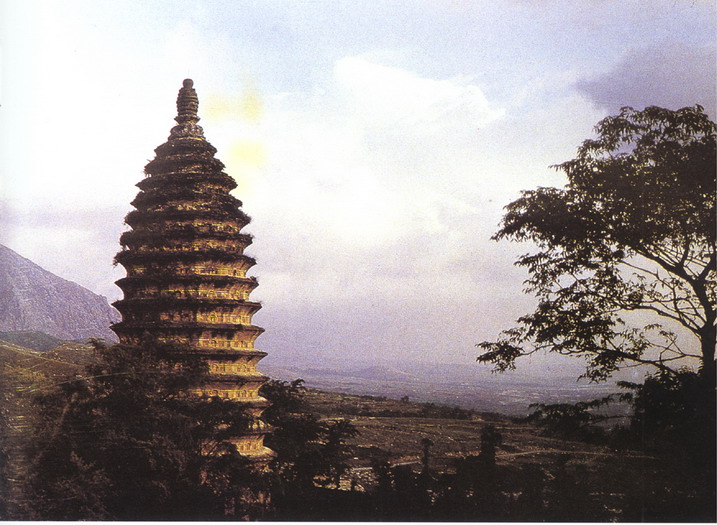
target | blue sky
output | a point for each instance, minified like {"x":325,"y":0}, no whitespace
{"x":374,"y":143}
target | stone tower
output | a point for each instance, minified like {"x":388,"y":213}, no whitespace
{"x":186,"y":269}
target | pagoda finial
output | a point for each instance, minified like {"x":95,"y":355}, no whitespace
{"x":187,"y":106}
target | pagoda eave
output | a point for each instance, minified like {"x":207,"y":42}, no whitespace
{"x":128,"y":257}
{"x":184,"y":233}
{"x":140,"y":217}
{"x":135,"y":282}
{"x":244,"y":379}
{"x":158,"y":180}
{"x":185,"y":327}
{"x":125,"y":306}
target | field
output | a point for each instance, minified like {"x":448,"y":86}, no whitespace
{"x":607,"y":475}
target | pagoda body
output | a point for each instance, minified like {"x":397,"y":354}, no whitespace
{"x":186,"y":277}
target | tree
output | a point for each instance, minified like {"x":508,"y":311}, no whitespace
{"x":624,"y":274}
{"x":4,"y":489}
{"x":624,"y":271}
{"x":307,"y":449}
{"x":125,"y":441}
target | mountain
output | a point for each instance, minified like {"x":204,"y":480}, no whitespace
{"x":32,"y":298}
{"x":465,"y":385}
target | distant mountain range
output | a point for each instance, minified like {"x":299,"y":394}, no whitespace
{"x":33,"y":299}
{"x":466,"y":386}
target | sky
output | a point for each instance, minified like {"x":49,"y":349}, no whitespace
{"x":374,"y":143}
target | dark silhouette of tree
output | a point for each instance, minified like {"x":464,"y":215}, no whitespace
{"x":383,"y":501}
{"x":529,"y":505}
{"x":633,"y":231}
{"x":569,"y":495}
{"x":426,"y":445}
{"x":125,"y":441}
{"x":624,"y":274}
{"x":335,"y":450}
{"x":572,"y":420}
{"x":4,"y":456}
{"x":309,"y":452}
{"x":674,"y":418}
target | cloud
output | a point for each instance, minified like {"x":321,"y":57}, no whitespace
{"x":671,"y":75}
{"x":389,"y":97}
{"x":376,"y":201}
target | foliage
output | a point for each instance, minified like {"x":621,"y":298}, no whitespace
{"x":4,"y":456}
{"x":572,"y":420}
{"x":673,"y":421}
{"x":308,"y":450}
{"x":674,"y":418}
{"x":125,"y":441}
{"x":632,"y":232}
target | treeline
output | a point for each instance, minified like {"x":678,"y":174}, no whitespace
{"x":423,"y":410}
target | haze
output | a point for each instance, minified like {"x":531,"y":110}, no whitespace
{"x":374,"y":143}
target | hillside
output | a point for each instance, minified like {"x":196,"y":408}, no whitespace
{"x":601,"y":479}
{"x":31,"y":339}
{"x":32,"y":298}
{"x":614,"y":482}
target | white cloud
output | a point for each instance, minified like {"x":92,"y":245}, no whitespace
{"x":388,"y":97}
{"x":378,"y":198}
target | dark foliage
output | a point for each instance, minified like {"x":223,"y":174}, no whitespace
{"x":309,"y":451}
{"x":674,"y":418}
{"x":673,"y":424}
{"x":633,"y":231}
{"x":4,"y":456}
{"x":572,"y":420}
{"x":125,"y":442}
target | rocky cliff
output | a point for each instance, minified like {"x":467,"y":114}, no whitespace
{"x":32,"y":298}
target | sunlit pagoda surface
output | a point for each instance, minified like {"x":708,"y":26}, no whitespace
{"x":186,"y":269}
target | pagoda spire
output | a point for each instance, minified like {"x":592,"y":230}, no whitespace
{"x":187,"y":118}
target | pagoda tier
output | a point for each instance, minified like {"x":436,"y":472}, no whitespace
{"x":186,"y":269}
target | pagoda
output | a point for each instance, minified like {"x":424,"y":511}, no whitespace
{"x":186,"y":269}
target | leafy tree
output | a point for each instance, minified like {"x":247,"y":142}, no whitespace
{"x":308,"y":450}
{"x":125,"y":441}
{"x":624,"y":274}
{"x":672,"y":420}
{"x":335,"y":449}
{"x":632,"y":235}
{"x":572,"y":420}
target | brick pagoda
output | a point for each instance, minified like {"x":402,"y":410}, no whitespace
{"x":186,"y":268}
